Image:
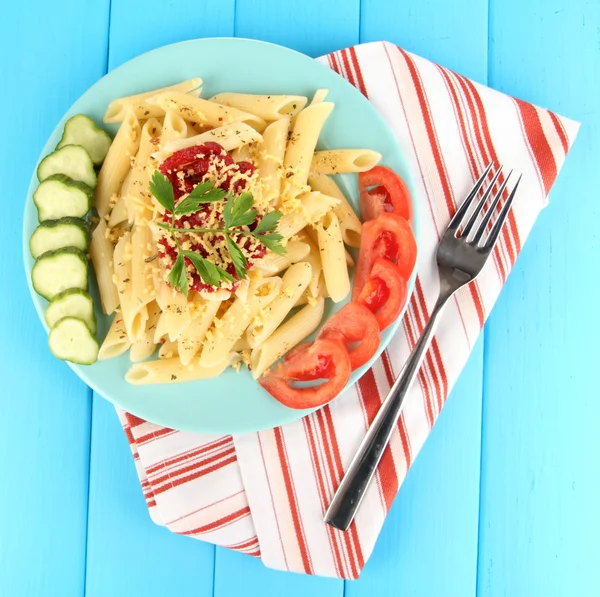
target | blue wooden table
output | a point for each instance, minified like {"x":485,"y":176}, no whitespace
{"x":503,"y":499}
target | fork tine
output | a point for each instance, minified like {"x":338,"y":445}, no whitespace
{"x":464,"y":208}
{"x":491,"y":240}
{"x":490,"y":212}
{"x":467,"y":229}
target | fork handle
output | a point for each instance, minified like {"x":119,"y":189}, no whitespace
{"x":351,"y":490}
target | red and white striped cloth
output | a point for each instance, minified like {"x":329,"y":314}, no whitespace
{"x":265,"y":494}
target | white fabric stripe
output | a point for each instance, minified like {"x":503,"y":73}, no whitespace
{"x":257,"y":477}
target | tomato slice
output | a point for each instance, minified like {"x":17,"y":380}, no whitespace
{"x":384,"y":294}
{"x":388,"y":236}
{"x":382,"y":190}
{"x":354,"y":323}
{"x":322,"y":359}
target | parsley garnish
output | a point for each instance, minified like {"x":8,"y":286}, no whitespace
{"x":237,"y":212}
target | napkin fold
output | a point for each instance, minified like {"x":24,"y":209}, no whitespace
{"x":265,"y":494}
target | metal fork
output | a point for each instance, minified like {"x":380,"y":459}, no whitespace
{"x":461,"y":255}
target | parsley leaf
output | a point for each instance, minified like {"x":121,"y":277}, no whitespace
{"x":269,"y":222}
{"x":178,"y":275}
{"x":161,"y":188}
{"x":272,"y":241}
{"x":209,"y":272}
{"x":239,"y":259}
{"x":241,"y":212}
{"x":202,"y":193}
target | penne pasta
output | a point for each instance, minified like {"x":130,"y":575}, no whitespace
{"x":232,"y":325}
{"x":137,"y":195}
{"x":118,"y":214}
{"x":267,"y":107}
{"x":171,"y":371}
{"x":196,"y":109}
{"x":313,"y":206}
{"x":301,"y":146}
{"x":339,"y":161}
{"x":142,"y":282}
{"x":333,"y":258}
{"x":117,"y":163}
{"x":133,"y":312}
{"x":118,"y":109}
{"x":349,"y":222}
{"x":293,"y":284}
{"x":145,"y":346}
{"x":270,"y":158}
{"x":101,"y":252}
{"x":175,"y":315}
{"x":174,"y":127}
{"x":229,"y":137}
{"x":116,"y":342}
{"x":168,"y":350}
{"x":273,"y":263}
{"x":191,"y":339}
{"x":290,"y":334}
{"x":319,"y":96}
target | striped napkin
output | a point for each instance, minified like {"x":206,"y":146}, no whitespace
{"x":264,"y":494}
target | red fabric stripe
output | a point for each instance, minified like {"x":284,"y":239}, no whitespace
{"x":405,"y":440}
{"x":487,"y":158}
{"x":133,"y":420}
{"x":196,"y":475}
{"x":220,"y":523}
{"x":512,"y":224}
{"x":347,"y":68}
{"x":560,"y":130}
{"x":243,"y":544}
{"x":194,"y":466}
{"x":538,"y":143}
{"x":334,"y":63}
{"x":285,"y":469}
{"x":466,"y":142}
{"x":323,"y":494}
{"x":221,"y":442}
{"x":162,"y":432}
{"x":412,"y":339}
{"x":129,"y":435}
{"x":359,"y":76}
{"x":429,"y":127}
{"x":354,"y":544}
{"x":387,"y":470}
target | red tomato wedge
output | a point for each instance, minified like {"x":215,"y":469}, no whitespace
{"x":351,"y":324}
{"x":388,"y":236}
{"x":384,"y":294}
{"x":382,"y":190}
{"x":323,"y":359}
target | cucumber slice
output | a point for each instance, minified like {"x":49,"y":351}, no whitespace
{"x":56,"y":271}
{"x":82,"y":130}
{"x":72,"y":160}
{"x":71,"y":340}
{"x":72,"y":303}
{"x":58,"y":234}
{"x":60,"y":196}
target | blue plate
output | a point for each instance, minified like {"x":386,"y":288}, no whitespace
{"x":233,"y":402}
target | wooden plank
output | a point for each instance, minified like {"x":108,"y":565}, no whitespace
{"x":127,"y":553}
{"x":428,"y":545}
{"x":312,"y":27}
{"x":160,"y":562}
{"x":540,"y":483}
{"x":45,"y":409}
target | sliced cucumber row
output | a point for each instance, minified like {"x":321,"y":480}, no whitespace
{"x":82,"y":130}
{"x":61,"y":241}
{"x":52,"y":235}
{"x":70,"y":339}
